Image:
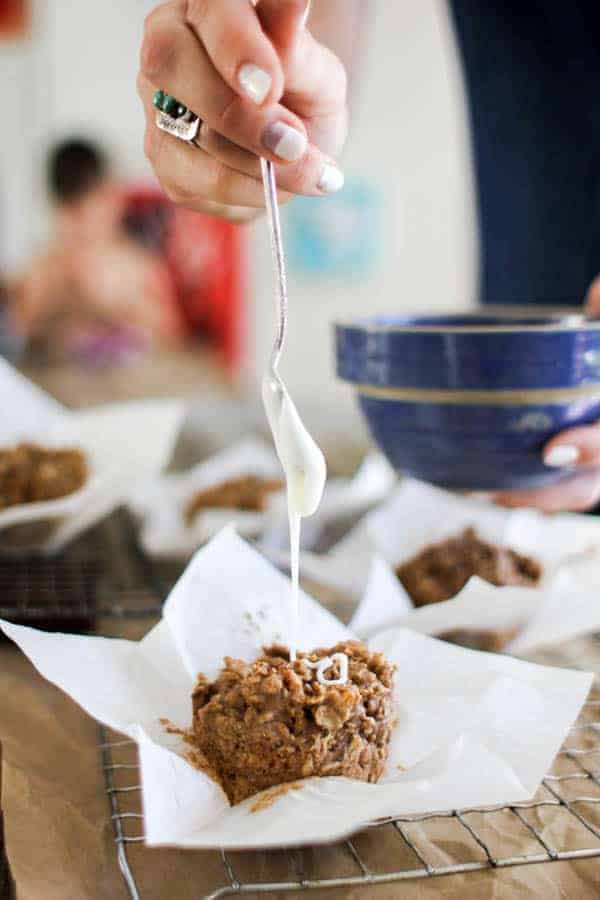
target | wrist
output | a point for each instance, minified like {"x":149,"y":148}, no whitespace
{"x":237,"y":214}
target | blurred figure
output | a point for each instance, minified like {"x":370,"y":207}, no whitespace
{"x":95,"y":294}
{"x":10,"y":341}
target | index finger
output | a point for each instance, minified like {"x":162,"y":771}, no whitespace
{"x":240,"y":51}
{"x":575,"y":494}
{"x":592,"y":300}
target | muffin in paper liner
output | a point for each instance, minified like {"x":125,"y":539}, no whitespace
{"x":472,"y":729}
{"x":122,"y":444}
{"x":516,"y":619}
{"x":161,"y":503}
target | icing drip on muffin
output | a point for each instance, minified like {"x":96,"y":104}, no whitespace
{"x":274,"y":721}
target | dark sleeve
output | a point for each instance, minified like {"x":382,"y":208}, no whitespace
{"x":532,"y":72}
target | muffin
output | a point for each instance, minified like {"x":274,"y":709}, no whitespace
{"x":271,"y":721}
{"x":248,"y":493}
{"x":490,"y":640}
{"x":440,"y":571}
{"x":30,"y":473}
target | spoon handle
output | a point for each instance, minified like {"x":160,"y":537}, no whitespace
{"x":270,"y":188}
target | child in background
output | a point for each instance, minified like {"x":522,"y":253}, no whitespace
{"x":95,"y":293}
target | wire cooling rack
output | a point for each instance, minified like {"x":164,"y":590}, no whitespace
{"x":562,"y":822}
{"x":567,"y":803}
{"x":106,"y":576}
{"x":103,"y":574}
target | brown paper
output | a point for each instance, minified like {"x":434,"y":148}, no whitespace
{"x":59,"y":834}
{"x":7,"y":883}
{"x":60,"y":839}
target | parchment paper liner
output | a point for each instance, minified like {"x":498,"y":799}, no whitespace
{"x":123,"y":444}
{"x":564,"y":604}
{"x":160,"y":504}
{"x":473,"y":728}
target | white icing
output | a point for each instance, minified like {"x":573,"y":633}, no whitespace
{"x":322,"y":665}
{"x":305,"y":474}
{"x":302,"y":461}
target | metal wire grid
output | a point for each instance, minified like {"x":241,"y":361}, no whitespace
{"x":566,"y":793}
{"x":36,"y":589}
{"x":104,"y":574}
{"x":573,"y":794}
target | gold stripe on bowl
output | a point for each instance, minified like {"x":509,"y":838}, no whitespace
{"x":543,"y":397}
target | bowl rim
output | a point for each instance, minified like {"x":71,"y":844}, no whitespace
{"x":542,"y":320}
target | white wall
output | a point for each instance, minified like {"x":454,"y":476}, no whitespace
{"x":75,"y":74}
{"x":17,"y":191}
{"x":95,"y":50}
{"x":409,"y":132}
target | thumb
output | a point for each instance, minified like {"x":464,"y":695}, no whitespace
{"x":283,"y":21}
{"x":592,"y":300}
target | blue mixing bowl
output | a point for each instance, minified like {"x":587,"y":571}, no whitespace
{"x":468,"y":401}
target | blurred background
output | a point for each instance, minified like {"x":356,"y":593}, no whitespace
{"x":189,"y":306}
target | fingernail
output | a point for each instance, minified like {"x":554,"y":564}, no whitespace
{"x":562,"y":455}
{"x":331,"y":180}
{"x":255,"y":82}
{"x":284,"y":141}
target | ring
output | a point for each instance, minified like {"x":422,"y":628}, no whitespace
{"x":175,"y":118}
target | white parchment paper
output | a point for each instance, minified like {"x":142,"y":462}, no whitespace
{"x":472,"y":728}
{"x":160,"y":504}
{"x":123,"y":443}
{"x":344,"y":500}
{"x":563,"y":606}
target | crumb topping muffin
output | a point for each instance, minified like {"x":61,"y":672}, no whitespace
{"x":30,"y":473}
{"x":440,"y":571}
{"x":271,"y":721}
{"x":248,"y":493}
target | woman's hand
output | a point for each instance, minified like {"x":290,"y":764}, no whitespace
{"x":262,"y":86}
{"x":577,"y":449}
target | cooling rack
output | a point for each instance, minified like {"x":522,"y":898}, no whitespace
{"x":105,"y":577}
{"x":103,"y":574}
{"x":562,"y":822}
{"x":416,"y":847}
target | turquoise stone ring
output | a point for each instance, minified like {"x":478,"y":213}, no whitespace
{"x":175,"y":118}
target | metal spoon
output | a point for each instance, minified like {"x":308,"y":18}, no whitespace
{"x":273,"y":381}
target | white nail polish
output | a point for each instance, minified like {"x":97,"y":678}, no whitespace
{"x":255,"y":82}
{"x":331,"y":180}
{"x":561,"y":456}
{"x":285,"y":142}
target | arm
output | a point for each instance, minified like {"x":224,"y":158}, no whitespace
{"x":39,"y":294}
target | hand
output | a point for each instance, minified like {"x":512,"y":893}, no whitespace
{"x":262,"y":86}
{"x":577,"y":448}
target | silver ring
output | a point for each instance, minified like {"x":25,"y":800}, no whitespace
{"x":185,"y":129}
{"x":184,"y":124}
